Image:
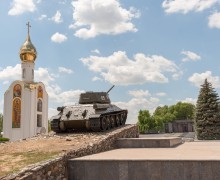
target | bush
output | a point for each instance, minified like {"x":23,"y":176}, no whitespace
{"x":1,"y":124}
{"x":2,"y":139}
{"x":49,"y":126}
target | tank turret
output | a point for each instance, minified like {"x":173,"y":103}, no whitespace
{"x":95,"y":97}
{"x":94,"y":112}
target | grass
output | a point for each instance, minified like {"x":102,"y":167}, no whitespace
{"x":16,"y":161}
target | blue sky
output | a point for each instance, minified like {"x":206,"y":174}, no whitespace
{"x":155,"y":52}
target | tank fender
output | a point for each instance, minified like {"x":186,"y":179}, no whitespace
{"x":94,"y":116}
{"x":55,"y":117}
{"x":101,"y":106}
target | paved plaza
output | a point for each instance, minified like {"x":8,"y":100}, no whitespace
{"x":197,"y":150}
{"x":191,"y":160}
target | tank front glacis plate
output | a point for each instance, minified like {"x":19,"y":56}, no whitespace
{"x":113,"y":108}
{"x":77,"y":112}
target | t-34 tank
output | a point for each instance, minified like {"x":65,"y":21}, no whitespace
{"x":94,"y":112}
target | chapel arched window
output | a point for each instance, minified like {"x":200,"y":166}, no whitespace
{"x":39,"y":105}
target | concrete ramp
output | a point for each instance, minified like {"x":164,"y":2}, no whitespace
{"x":160,"y":142}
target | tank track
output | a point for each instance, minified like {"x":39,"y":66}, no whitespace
{"x":108,"y":121}
{"x":55,"y":125}
{"x":104,"y":122}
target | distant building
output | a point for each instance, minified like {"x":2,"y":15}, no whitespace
{"x":25,"y":101}
{"x":179,"y":126}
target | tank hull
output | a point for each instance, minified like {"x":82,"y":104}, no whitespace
{"x":92,"y":117}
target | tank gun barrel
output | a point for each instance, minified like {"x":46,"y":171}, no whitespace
{"x":110,"y":89}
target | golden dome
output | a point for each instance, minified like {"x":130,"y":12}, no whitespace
{"x":28,"y":52}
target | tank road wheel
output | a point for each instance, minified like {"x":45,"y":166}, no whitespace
{"x":62,"y":126}
{"x":117,"y":120}
{"x":55,"y":125}
{"x":122,"y":119}
{"x":112,"y":121}
{"x":108,"y":121}
{"x":103,"y":123}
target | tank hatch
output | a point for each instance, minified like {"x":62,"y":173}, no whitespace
{"x":94,"y":97}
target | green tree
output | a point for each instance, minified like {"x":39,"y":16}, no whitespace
{"x":207,"y":117}
{"x":184,"y":110}
{"x":145,"y":121}
{"x":164,"y":114}
{"x":178,"y":111}
{"x":159,"y":123}
{"x":161,"y":111}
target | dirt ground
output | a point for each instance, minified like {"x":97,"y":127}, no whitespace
{"x":17,"y":155}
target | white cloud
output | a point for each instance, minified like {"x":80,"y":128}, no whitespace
{"x":21,"y":6}
{"x":58,"y":38}
{"x":139,"y":93}
{"x":198,"y":79}
{"x":65,"y":70}
{"x":161,"y":94}
{"x":95,"y":17}
{"x":52,"y":112}
{"x":42,"y":17}
{"x":62,"y":2}
{"x":61,"y":97}
{"x":96,"y":78}
{"x":185,"y":6}
{"x":42,"y":74}
{"x":177,"y":75}
{"x":120,"y":70}
{"x":10,"y":73}
{"x":190,"y":100}
{"x":190,"y":56}
{"x":57,"y":17}
{"x":214,"y":20}
{"x":1,"y":106}
{"x":95,"y":51}
{"x":5,"y":82}
{"x":136,"y":104}
{"x":56,"y":94}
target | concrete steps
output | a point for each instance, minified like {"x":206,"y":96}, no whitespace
{"x":148,"y":142}
{"x":199,"y":160}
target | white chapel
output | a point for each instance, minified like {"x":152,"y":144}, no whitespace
{"x":25,"y":102}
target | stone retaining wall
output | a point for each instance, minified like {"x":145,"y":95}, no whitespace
{"x":56,"y":169}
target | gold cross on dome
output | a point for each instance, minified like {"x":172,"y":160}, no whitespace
{"x":28,"y":25}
